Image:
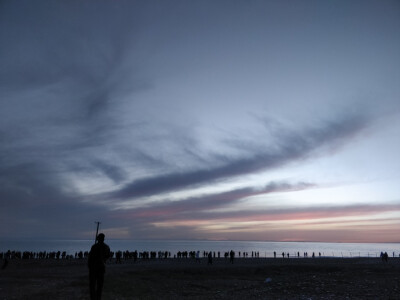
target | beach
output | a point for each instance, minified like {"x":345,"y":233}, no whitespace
{"x":251,"y":278}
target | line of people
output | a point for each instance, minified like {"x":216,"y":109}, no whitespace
{"x":305,"y":254}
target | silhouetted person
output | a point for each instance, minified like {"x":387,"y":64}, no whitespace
{"x":231,"y":256}
{"x":385,"y":256}
{"x":99,"y":253}
{"x":209,"y":258}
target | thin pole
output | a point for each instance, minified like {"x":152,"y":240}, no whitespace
{"x":97,"y":231}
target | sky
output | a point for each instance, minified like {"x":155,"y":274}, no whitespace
{"x":212,"y":120}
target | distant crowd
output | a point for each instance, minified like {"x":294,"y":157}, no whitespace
{"x":135,"y":255}
{"x":41,"y":255}
{"x":121,"y":255}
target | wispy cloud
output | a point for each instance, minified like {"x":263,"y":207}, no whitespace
{"x":305,"y":213}
{"x":197,"y":205}
{"x":292,"y":146}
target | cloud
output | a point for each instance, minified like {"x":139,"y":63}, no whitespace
{"x":334,"y":223}
{"x":37,"y":202}
{"x":206,"y":208}
{"x":196,"y":206}
{"x":306,"y":213}
{"x":291,"y":146}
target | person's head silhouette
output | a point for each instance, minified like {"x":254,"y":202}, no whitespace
{"x":100,"y":237}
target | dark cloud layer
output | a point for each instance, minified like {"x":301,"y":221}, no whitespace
{"x":293,"y":145}
{"x":194,"y":206}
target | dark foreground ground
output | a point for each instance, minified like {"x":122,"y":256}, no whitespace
{"x":319,"y":278}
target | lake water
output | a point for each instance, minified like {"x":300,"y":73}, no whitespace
{"x":265,"y":249}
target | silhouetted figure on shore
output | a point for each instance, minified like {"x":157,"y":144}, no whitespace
{"x":118,"y":256}
{"x":99,"y":253}
{"x":384,"y":256}
{"x":209,"y":258}
{"x":231,"y":256}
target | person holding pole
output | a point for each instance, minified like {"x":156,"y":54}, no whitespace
{"x":97,"y":231}
{"x":98,"y":255}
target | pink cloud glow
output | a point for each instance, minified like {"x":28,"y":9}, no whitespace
{"x":356,"y":223}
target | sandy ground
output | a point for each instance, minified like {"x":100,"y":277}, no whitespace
{"x":304,"y":278}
